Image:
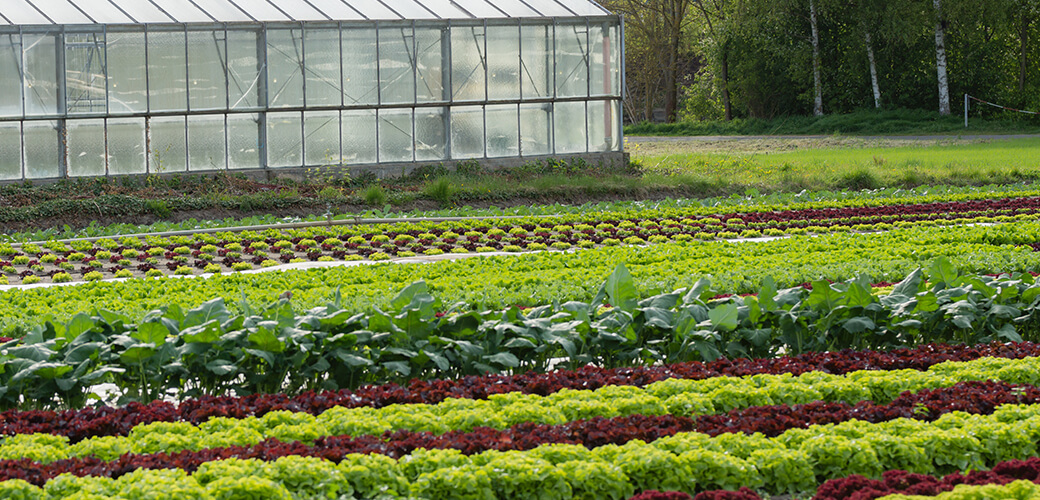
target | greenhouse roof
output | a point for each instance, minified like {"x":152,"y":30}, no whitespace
{"x":37,"y":12}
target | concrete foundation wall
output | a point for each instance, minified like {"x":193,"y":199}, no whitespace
{"x":606,"y":161}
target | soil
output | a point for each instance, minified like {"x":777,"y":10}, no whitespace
{"x":78,"y":220}
{"x":657,"y":146}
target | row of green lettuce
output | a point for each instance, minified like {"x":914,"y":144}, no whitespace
{"x":1015,"y":490}
{"x":210,"y":351}
{"x":752,"y":200}
{"x":793,"y":462}
{"x":677,"y":397}
{"x":541,"y":278}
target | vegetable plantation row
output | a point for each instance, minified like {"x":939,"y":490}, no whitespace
{"x":792,"y":462}
{"x":750,"y":201}
{"x":534,"y":279}
{"x":129,"y":256}
{"x":680,"y":399}
{"x":81,"y":423}
{"x":209,"y":351}
{"x":845,"y":364}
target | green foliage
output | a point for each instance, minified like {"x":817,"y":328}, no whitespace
{"x":441,"y":190}
{"x":374,"y":196}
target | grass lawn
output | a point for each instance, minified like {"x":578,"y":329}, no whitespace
{"x":836,"y":163}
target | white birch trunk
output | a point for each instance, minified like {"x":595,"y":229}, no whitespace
{"x":940,"y":61}
{"x":817,"y":82}
{"x":873,"y":71}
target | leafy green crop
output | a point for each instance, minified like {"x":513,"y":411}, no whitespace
{"x":673,"y":396}
{"x":792,"y":462}
{"x":533,"y":279}
{"x":210,"y":350}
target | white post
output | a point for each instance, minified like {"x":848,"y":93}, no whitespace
{"x":965,"y":110}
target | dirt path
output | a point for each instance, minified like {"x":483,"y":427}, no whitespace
{"x":655,"y":146}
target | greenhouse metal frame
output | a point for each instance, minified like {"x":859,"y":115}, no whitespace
{"x":128,"y":87}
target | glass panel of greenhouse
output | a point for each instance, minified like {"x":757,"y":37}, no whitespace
{"x":128,"y":87}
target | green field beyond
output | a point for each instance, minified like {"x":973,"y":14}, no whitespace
{"x":852,"y":164}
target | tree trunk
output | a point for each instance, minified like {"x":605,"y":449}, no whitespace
{"x":724,"y":76}
{"x":671,"y":97}
{"x":873,"y":70}
{"x":817,"y":82}
{"x":940,"y":61}
{"x":1023,"y":57}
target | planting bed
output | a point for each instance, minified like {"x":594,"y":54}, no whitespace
{"x":130,"y":256}
{"x":648,"y":361}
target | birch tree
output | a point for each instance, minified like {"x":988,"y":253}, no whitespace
{"x":940,"y":60}
{"x":817,"y":79}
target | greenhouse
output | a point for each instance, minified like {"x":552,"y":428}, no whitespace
{"x":117,"y":87}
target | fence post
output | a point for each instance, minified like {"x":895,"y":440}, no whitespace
{"x":965,"y":110}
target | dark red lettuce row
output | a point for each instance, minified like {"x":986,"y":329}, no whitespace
{"x":744,"y":493}
{"x":936,"y":210}
{"x":857,"y":487}
{"x":107,"y":421}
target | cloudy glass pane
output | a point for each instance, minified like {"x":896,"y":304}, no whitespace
{"x":395,"y":135}
{"x":223,"y":11}
{"x":336,"y":10}
{"x":321,"y":138}
{"x":126,"y":146}
{"x":243,"y":69}
{"x":43,"y":149}
{"x":373,"y":9}
{"x":284,"y":140}
{"x":207,"y":84}
{"x":104,"y":12}
{"x":503,"y":134}
{"x":10,"y":151}
{"x":429,"y":69}
{"x":467,"y":132}
{"x":468,"y":63}
{"x":86,"y":147}
{"x":299,"y":10}
{"x":206,"y":150}
{"x":62,"y":12}
{"x":536,"y":48}
{"x":323,"y":67}
{"x":503,"y":62}
{"x":396,"y":64}
{"x":85,"y":81}
{"x":359,"y":136}
{"x":536,"y":129}
{"x":127,"y":73}
{"x":360,"y":75}
{"x":569,"y":127}
{"x":285,"y":67}
{"x":41,"y":67}
{"x":10,"y":75}
{"x":572,"y":58}
{"x":20,"y":12}
{"x":244,"y":141}
{"x":167,"y":71}
{"x":168,"y":138}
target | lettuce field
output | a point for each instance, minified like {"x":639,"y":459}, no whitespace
{"x":842,"y":347}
